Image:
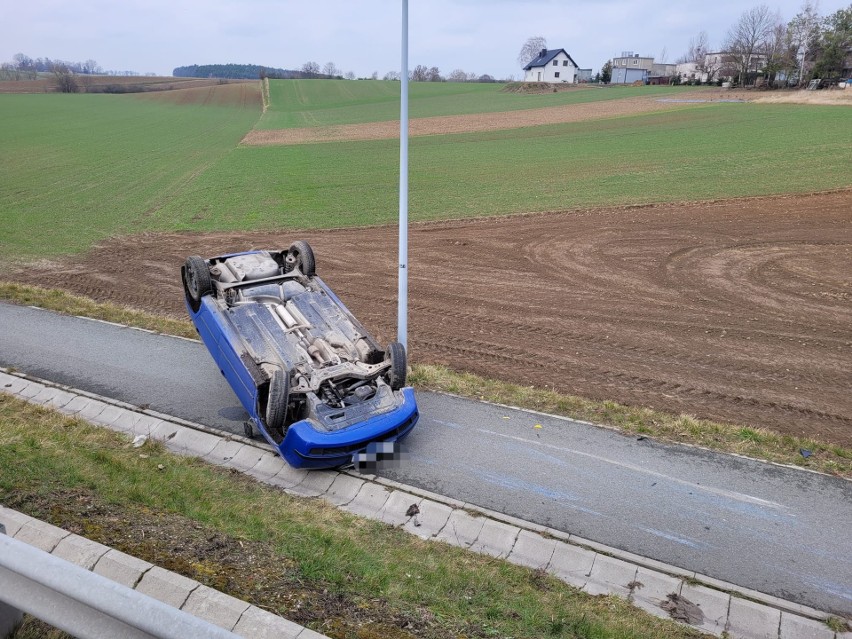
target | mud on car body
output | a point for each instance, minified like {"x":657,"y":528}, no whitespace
{"x":316,"y":385}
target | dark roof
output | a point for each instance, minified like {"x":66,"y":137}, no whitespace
{"x":546,"y":56}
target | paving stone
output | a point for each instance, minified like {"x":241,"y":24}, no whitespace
{"x":126,"y":421}
{"x":307,"y":633}
{"x":393,"y":512}
{"x":44,"y":395}
{"x":796,"y":627}
{"x":461,"y":529}
{"x":369,"y":500}
{"x":610,"y":576}
{"x":713,"y":603}
{"x":60,"y":399}
{"x":121,"y":568}
{"x":147,"y":425}
{"x":496,"y":539}
{"x":12,"y":385}
{"x":750,"y":620}
{"x":431,"y":520}
{"x":571,"y":564}
{"x":12,"y":520}
{"x":169,"y":587}
{"x":270,"y":464}
{"x":260,"y":624}
{"x":652,"y":588}
{"x":315,"y":483}
{"x":80,"y":551}
{"x":30,"y":390}
{"x":216,"y":607}
{"x":191,"y":442}
{"x":532,"y":550}
{"x":77,"y":404}
{"x":108,"y":415}
{"x":41,"y":535}
{"x":224,"y":452}
{"x":288,"y":476}
{"x":94,"y":408}
{"x":245,"y":458}
{"x":344,"y":489}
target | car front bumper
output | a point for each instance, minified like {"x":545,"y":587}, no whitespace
{"x":306,"y":447}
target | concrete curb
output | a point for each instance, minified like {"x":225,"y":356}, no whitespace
{"x":168,"y":587}
{"x":592,"y":567}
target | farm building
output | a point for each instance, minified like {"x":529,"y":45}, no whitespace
{"x":554,"y":65}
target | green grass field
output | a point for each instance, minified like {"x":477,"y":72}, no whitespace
{"x":79,"y":168}
{"x":306,"y":103}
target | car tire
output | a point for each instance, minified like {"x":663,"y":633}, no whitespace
{"x":196,"y":281}
{"x":398,"y":365}
{"x":276,"y":402}
{"x":304,"y":257}
{"x":248,"y":430}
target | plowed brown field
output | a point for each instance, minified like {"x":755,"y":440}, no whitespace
{"x":735,"y":310}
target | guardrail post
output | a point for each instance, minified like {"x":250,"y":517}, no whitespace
{"x":10,"y":616}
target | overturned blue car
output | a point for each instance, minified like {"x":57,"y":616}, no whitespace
{"x":316,"y":385}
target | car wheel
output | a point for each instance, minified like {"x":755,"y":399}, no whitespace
{"x":196,"y":280}
{"x":303,"y":256}
{"x":398,"y":365}
{"x":276,"y":403}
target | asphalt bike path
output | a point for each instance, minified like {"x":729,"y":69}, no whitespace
{"x":778,"y":530}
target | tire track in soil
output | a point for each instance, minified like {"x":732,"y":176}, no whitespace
{"x":734,"y":310}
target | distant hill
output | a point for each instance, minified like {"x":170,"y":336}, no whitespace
{"x":238,"y":71}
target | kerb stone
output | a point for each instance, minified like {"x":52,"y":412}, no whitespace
{"x":192,"y":443}
{"x":245,"y":459}
{"x":749,"y":620}
{"x":215,"y":607}
{"x":496,"y":539}
{"x":714,"y":606}
{"x":80,"y":551}
{"x":344,"y":489}
{"x":259,"y":624}
{"x":315,"y":483}
{"x":393,"y":512}
{"x":610,"y":576}
{"x":13,"y":520}
{"x":168,"y":587}
{"x":269,"y":465}
{"x":461,"y":529}
{"x":369,"y":500}
{"x":224,"y":452}
{"x":121,"y":568}
{"x":571,"y":564}
{"x":432,"y":518}
{"x":532,"y":550}
{"x":41,"y":535}
{"x":651,"y":589}
{"x":796,"y":627}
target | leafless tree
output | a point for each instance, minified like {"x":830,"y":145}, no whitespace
{"x":330,"y":69}
{"x":350,"y":75}
{"x":434,"y":75}
{"x":457,"y":76}
{"x":311,"y":68}
{"x":91,"y":67}
{"x":803,"y":34}
{"x":420,"y":74}
{"x":532,"y":47}
{"x":375,"y":75}
{"x":391,"y":75}
{"x":748,"y":39}
{"x":65,"y":80}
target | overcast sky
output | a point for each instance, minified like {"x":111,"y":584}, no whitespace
{"x":481,"y":36}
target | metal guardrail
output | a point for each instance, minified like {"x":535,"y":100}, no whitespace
{"x":85,"y":604}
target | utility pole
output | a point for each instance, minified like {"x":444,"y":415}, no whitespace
{"x":402,"y":309}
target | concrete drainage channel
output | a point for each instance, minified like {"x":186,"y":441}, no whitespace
{"x":663,"y":590}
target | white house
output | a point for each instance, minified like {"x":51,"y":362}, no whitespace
{"x":553,"y":65}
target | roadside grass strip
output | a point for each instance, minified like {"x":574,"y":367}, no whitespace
{"x":741,"y":439}
{"x":303,"y":559}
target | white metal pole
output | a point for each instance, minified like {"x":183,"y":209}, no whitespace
{"x":402,"y":310}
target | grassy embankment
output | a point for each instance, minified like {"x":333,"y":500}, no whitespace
{"x":753,"y":442}
{"x":81,"y":168}
{"x":301,"y":558}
